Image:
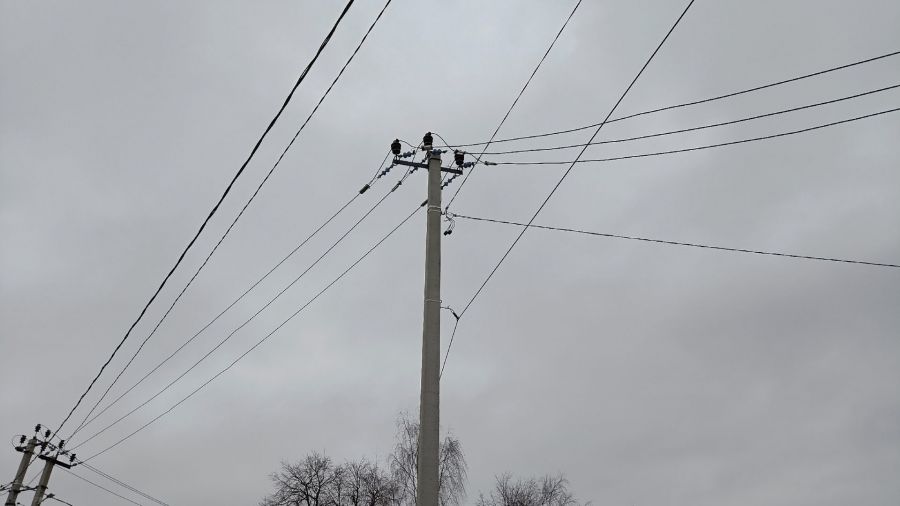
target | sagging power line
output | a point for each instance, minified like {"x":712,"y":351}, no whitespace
{"x":708,"y":146}
{"x":252,"y":196}
{"x":265,"y":306}
{"x":701,"y":127}
{"x":263,"y":339}
{"x":692,"y":102}
{"x":315,"y":232}
{"x":212,"y":212}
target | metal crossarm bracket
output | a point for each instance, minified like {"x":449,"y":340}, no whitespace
{"x":425,"y":166}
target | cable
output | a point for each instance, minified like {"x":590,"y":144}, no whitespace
{"x":258,"y":343}
{"x":679,"y":243}
{"x":572,"y":165}
{"x":57,"y":499}
{"x":340,"y":210}
{"x":702,"y":127}
{"x":694,"y":102}
{"x":450,"y":345}
{"x":246,"y":322}
{"x":101,"y":487}
{"x":255,"y":193}
{"x":710,"y":146}
{"x":124,"y":485}
{"x":210,"y":215}
{"x":516,"y":101}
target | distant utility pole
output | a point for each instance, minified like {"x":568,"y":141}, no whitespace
{"x":45,"y":480}
{"x":427,"y":479}
{"x":49,"y":462}
{"x":27,"y":452}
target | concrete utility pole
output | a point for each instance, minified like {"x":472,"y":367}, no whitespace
{"x":427,"y":471}
{"x":429,"y":404}
{"x":41,"y":489}
{"x":27,"y":452}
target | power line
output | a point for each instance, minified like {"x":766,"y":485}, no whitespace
{"x":53,"y":497}
{"x":248,"y":320}
{"x":693,"y":102}
{"x":680,"y":243}
{"x":211,"y":212}
{"x":315,"y":232}
{"x":452,"y":336}
{"x":710,"y":146}
{"x":124,"y":485}
{"x":516,"y":101}
{"x":57,"y":499}
{"x":571,"y":166}
{"x":101,"y":487}
{"x":702,"y":127}
{"x":252,"y":197}
{"x":258,"y":343}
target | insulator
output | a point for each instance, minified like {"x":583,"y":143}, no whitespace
{"x":427,"y":142}
{"x":22,"y":440}
{"x":395,"y":147}
{"x":37,"y":428}
{"x":459,"y":157}
{"x":47,"y":433}
{"x":72,"y":458}
{"x":44,"y":446}
{"x":62,"y":442}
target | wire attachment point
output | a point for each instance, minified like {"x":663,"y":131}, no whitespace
{"x":451,"y":223}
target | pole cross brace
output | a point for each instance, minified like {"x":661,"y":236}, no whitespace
{"x":425,"y":166}
{"x":55,"y":461}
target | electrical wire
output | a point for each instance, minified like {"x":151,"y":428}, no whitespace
{"x":680,"y":243}
{"x":255,"y":193}
{"x":246,"y":322}
{"x":693,"y":102}
{"x":571,"y":166}
{"x":261,"y":341}
{"x":702,"y":127}
{"x":710,"y":146}
{"x":210,"y":215}
{"x":57,"y":499}
{"x":450,"y":345}
{"x":123,"y":484}
{"x":315,"y":232}
{"x":513,"y":105}
{"x":101,"y":487}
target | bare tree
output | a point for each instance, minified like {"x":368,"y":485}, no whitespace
{"x":451,"y":465}
{"x":317,"y":481}
{"x":303,"y":483}
{"x":546,"y":491}
{"x":403,"y":460}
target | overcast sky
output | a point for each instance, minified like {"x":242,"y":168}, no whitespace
{"x":648,"y":374}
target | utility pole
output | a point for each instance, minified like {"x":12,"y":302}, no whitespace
{"x":27,"y":452}
{"x":49,"y":462}
{"x":41,"y":489}
{"x":429,"y":403}
{"x":427,"y":472}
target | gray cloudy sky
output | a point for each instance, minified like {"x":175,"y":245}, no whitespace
{"x":648,"y":374}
